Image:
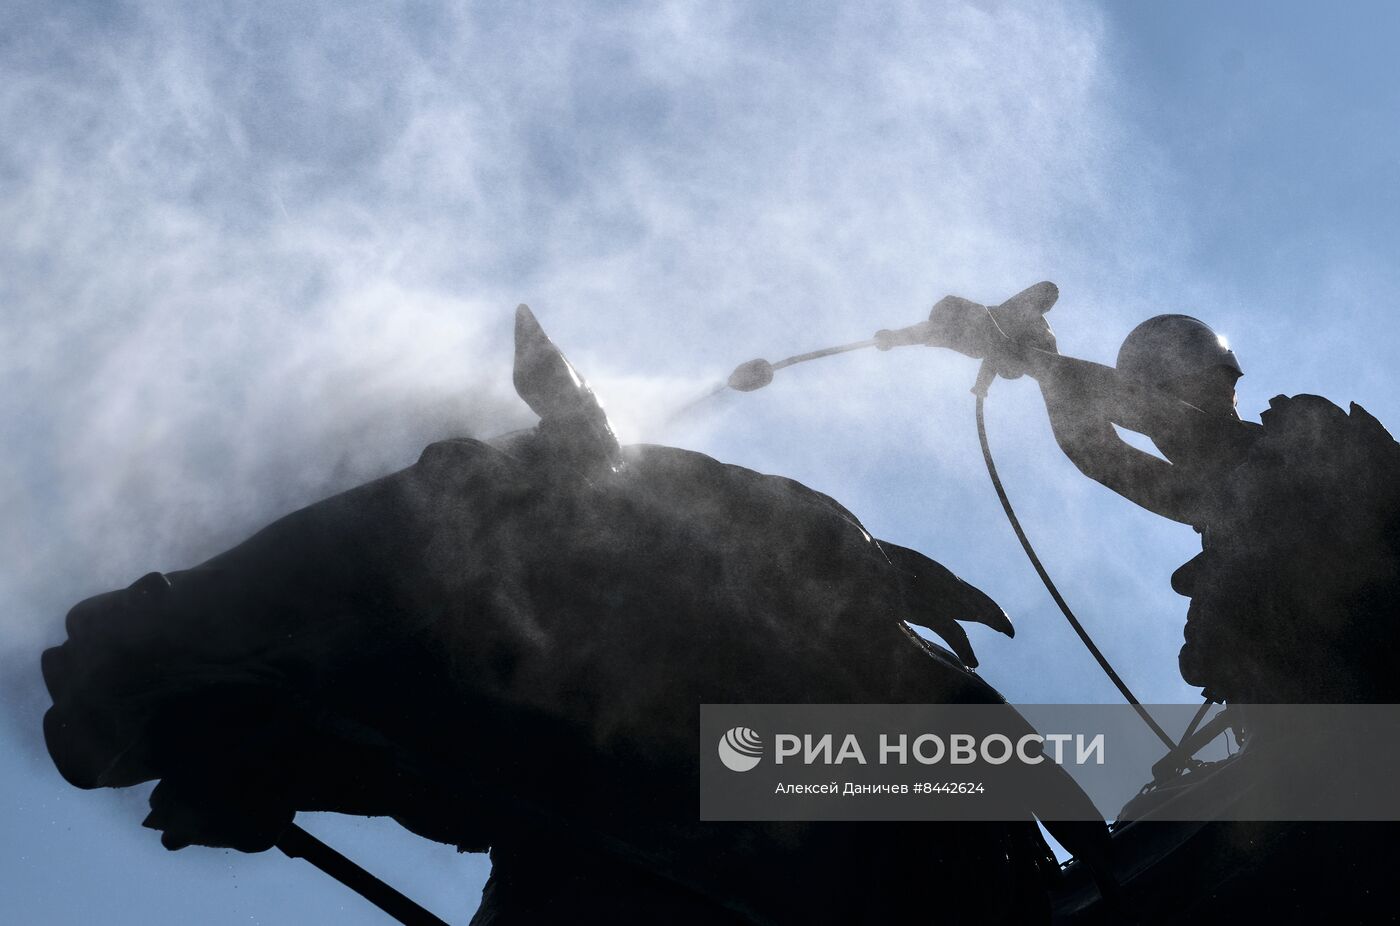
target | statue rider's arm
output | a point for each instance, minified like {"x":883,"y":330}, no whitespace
{"x":1085,"y":400}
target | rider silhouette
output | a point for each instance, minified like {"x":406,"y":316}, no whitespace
{"x":1299,"y":515}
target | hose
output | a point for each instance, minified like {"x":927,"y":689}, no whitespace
{"x":981,"y":393}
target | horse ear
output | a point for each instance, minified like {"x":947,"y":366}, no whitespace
{"x":569,"y":411}
{"x":543,"y":377}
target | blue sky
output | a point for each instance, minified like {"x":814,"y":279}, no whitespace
{"x":251,"y":256}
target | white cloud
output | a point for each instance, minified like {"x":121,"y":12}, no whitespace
{"x":254,"y":257}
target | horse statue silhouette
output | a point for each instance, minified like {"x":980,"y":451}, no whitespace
{"x":505,"y":647}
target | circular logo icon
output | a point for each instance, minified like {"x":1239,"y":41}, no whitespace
{"x":740,"y":749}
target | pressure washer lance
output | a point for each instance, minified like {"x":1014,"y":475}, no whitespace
{"x":1010,"y":320}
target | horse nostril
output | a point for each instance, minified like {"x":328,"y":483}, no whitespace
{"x":1184,"y":580}
{"x":53,"y":663}
{"x":152,"y":583}
{"x":91,"y":615}
{"x":102,"y":615}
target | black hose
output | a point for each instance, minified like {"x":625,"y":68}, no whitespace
{"x":1084,"y":637}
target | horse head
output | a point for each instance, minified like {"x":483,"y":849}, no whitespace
{"x":508,"y":641}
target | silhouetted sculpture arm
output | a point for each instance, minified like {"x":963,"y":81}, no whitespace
{"x":1086,"y":399}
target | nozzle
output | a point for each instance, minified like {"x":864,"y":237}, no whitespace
{"x":752,"y":375}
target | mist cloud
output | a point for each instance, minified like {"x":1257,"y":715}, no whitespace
{"x":252,"y":256}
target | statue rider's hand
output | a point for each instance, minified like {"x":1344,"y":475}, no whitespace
{"x":962,"y":325}
{"x":1009,"y":340}
{"x":1030,"y":333}
{"x":1022,"y":345}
